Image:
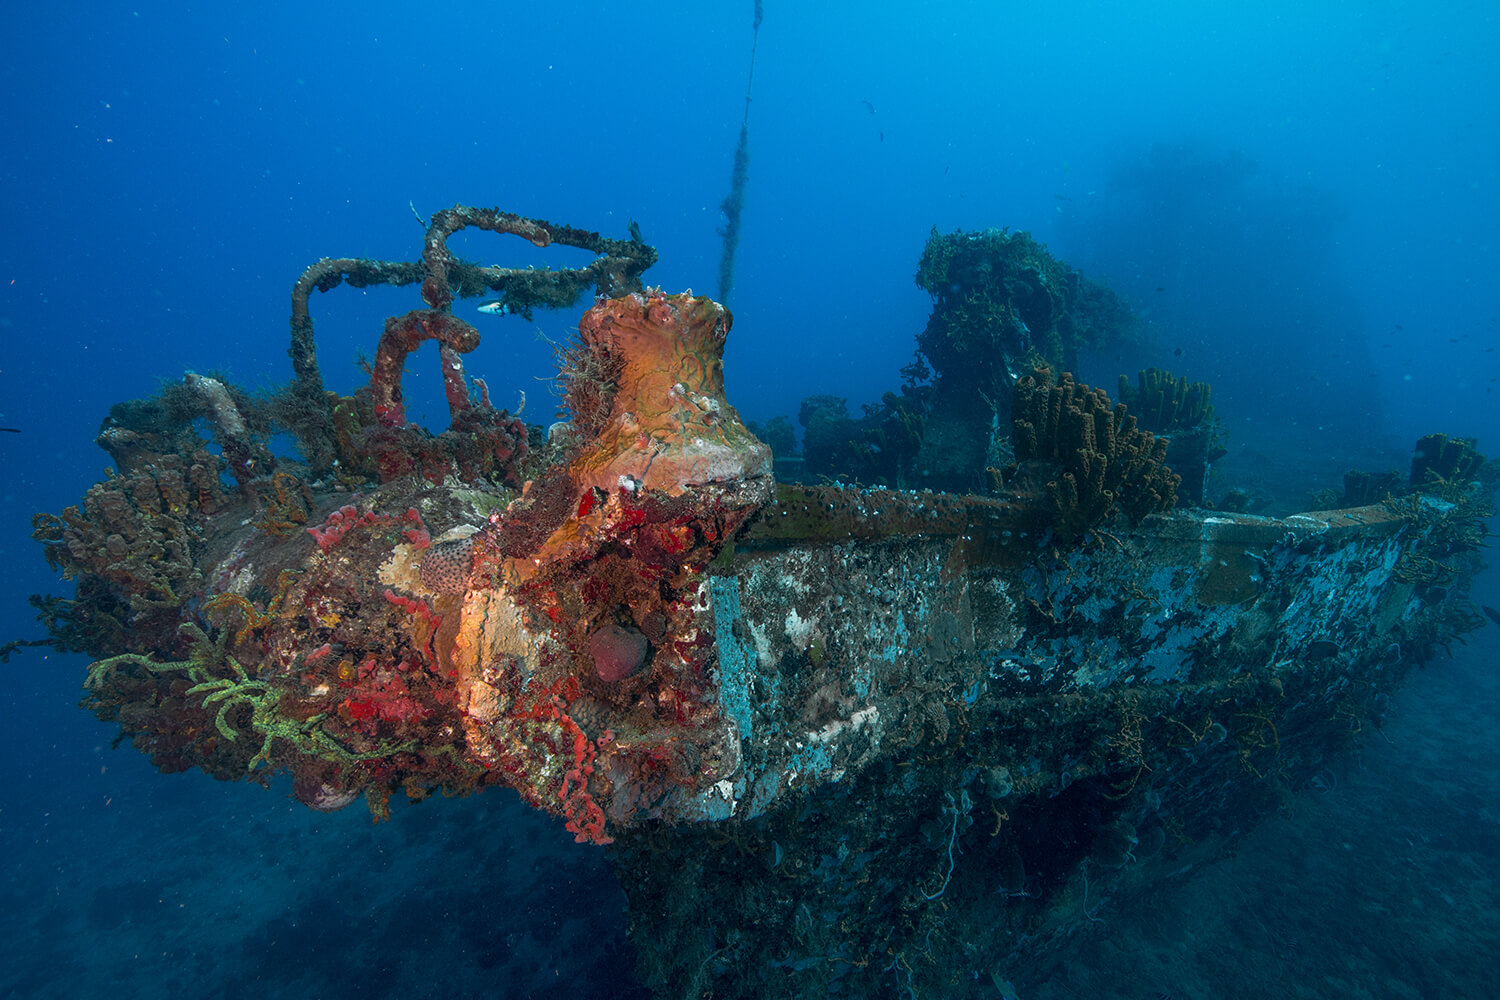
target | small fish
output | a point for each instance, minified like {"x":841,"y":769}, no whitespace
{"x":1493,"y":614}
{"x":868,"y":105}
{"x":494,"y":307}
{"x":11,"y":430}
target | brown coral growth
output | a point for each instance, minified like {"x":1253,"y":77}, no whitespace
{"x":1164,"y":403}
{"x":589,"y":377}
{"x":1092,"y":458}
{"x":134,"y":541}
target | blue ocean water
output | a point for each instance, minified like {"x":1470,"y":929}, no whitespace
{"x":1301,"y":202}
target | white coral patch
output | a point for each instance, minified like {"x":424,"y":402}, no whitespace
{"x":762,"y":644}
{"x":799,"y":630}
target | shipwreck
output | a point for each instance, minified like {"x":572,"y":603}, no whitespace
{"x":837,"y":738}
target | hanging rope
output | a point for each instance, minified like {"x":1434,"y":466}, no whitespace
{"x":734,"y":203}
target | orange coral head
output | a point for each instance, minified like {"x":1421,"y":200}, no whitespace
{"x":669,"y":426}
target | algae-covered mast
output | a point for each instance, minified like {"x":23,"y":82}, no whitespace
{"x":734,"y":202}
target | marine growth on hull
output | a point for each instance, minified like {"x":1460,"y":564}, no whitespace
{"x":943,"y":678}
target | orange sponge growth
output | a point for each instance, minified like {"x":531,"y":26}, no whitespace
{"x":668,"y":425}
